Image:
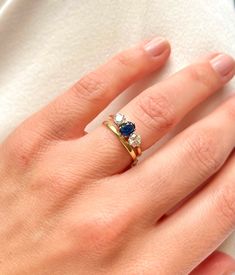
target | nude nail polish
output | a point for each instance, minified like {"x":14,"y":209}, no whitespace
{"x":156,"y":46}
{"x":224,"y":65}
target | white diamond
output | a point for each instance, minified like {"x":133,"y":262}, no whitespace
{"x":134,"y":140}
{"x":119,"y":119}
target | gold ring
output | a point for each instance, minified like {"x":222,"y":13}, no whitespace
{"x":125,"y":132}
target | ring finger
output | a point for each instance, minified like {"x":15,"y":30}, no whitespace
{"x":156,"y":110}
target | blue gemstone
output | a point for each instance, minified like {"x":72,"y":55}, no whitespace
{"x":127,"y":128}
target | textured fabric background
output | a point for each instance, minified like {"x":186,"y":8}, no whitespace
{"x":47,"y":45}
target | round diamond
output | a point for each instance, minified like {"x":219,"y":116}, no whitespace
{"x":119,"y":119}
{"x":134,"y":140}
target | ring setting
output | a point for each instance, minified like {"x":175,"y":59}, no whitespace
{"x":134,"y":140}
{"x":125,"y":131}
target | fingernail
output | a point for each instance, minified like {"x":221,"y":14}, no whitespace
{"x":156,"y":46}
{"x":224,"y":65}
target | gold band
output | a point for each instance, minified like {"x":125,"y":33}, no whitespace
{"x":134,"y":154}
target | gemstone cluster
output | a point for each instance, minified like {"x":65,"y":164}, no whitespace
{"x":127,"y":129}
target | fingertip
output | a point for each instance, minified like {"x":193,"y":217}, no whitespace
{"x":157,"y":46}
{"x":224,"y":66}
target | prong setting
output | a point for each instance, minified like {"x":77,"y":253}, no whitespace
{"x":119,"y":119}
{"x":134,"y":140}
{"x":127,"y":130}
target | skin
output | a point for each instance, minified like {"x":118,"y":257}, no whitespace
{"x":216,"y":263}
{"x":69,"y":205}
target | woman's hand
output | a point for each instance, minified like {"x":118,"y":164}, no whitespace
{"x":69,"y":206}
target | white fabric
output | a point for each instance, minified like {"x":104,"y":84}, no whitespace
{"x":47,"y":45}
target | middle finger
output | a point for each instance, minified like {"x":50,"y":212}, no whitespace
{"x":186,"y":162}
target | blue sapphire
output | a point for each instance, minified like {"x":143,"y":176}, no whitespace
{"x":127,"y":128}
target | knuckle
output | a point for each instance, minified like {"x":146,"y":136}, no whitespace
{"x":93,"y":86}
{"x":55,"y":178}
{"x":53,"y":185}
{"x":102,"y":230}
{"x":203,"y":149}
{"x":98,"y":232}
{"x":125,"y":59}
{"x":201,"y":74}
{"x":20,"y":155}
{"x":156,"y":111}
{"x":21,"y":148}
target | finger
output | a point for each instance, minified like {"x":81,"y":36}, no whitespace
{"x":68,"y":115}
{"x":182,"y":165}
{"x":161,"y":107}
{"x":198,"y":228}
{"x":217,"y":263}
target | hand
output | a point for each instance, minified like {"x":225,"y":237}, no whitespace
{"x":69,"y":206}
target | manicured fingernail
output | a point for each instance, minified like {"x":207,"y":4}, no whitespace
{"x":224,"y":65}
{"x":156,"y":46}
